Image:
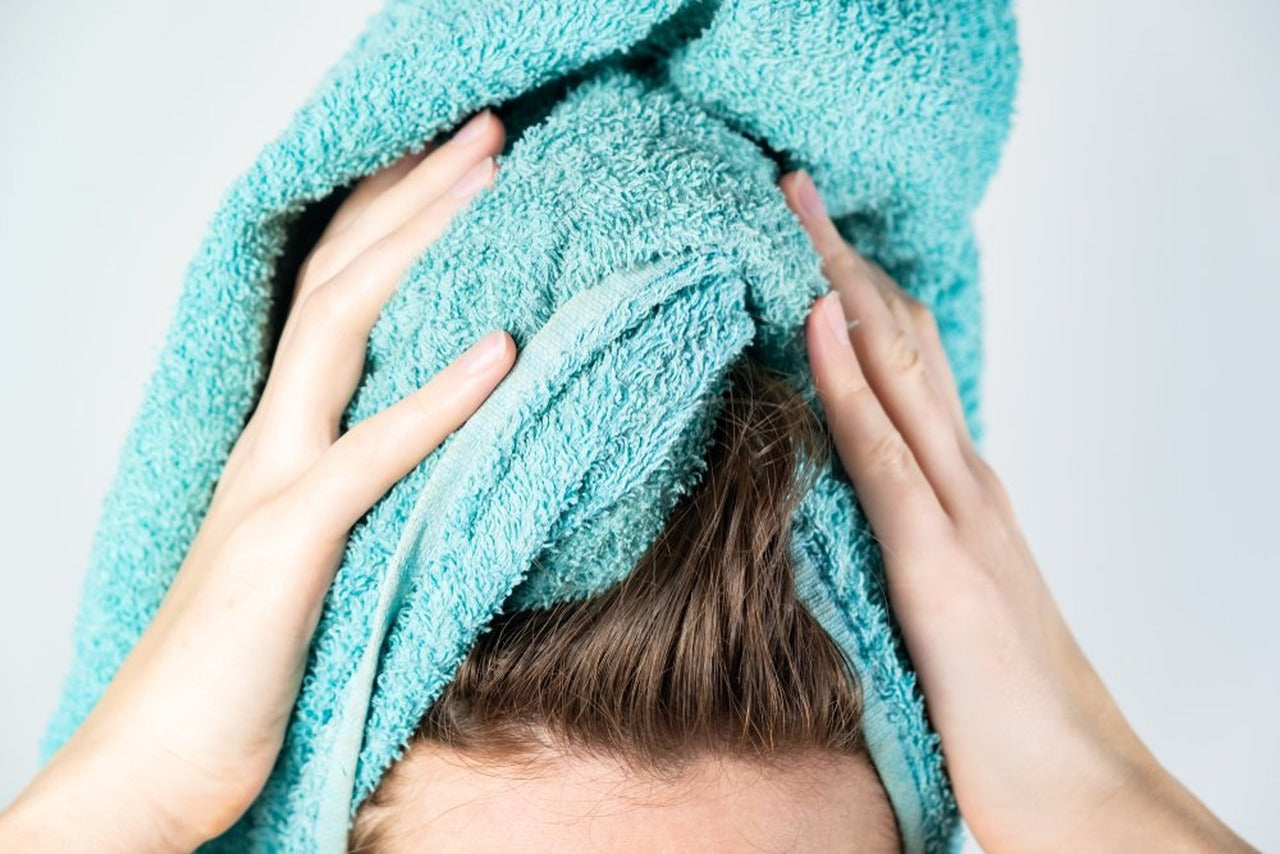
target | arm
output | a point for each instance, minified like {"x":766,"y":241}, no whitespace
{"x":184,"y":737}
{"x":1038,"y":752}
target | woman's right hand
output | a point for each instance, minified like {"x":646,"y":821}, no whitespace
{"x":1039,"y":755}
{"x":188,"y":730}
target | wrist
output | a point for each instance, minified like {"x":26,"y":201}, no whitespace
{"x":1154,"y":810}
{"x":1125,"y":800}
{"x":1093,"y":785}
{"x":86,"y":800}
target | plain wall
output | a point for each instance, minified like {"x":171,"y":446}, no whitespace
{"x":1130,"y":259}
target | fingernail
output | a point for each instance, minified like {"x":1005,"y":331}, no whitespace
{"x":810,"y":199}
{"x":472,"y":129}
{"x":473,"y":180}
{"x":833,"y":314}
{"x":485,"y":353}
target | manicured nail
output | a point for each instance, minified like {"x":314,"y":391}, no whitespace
{"x":473,"y":180}
{"x":485,"y":353}
{"x":833,"y":315}
{"x":472,"y":129}
{"x":810,"y":199}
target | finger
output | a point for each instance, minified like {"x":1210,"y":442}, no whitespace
{"x":321,"y":355}
{"x":352,"y":206}
{"x":370,"y":457}
{"x":897,"y":498}
{"x":914,"y":317}
{"x":939,"y":367}
{"x":424,"y":184}
{"x":890,"y":355}
{"x":369,"y":188}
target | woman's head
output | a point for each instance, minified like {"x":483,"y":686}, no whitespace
{"x":696,"y":704}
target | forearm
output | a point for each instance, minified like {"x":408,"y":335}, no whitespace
{"x":1038,"y":753}
{"x":1154,"y":811}
{"x":78,"y":803}
{"x":1110,"y":795}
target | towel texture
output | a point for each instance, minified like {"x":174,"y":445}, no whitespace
{"x":635,"y":244}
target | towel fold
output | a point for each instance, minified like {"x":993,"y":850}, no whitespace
{"x":634,"y":245}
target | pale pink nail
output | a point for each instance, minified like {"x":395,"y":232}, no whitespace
{"x":810,"y":199}
{"x":834,"y":316}
{"x":485,"y":353}
{"x":472,"y":129}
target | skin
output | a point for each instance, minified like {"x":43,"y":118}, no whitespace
{"x":813,"y":804}
{"x":185,"y":735}
{"x":1038,"y":752}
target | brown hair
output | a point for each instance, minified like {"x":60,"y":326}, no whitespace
{"x":703,"y":649}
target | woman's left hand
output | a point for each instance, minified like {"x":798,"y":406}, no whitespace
{"x":186,"y":734}
{"x":1038,"y":753}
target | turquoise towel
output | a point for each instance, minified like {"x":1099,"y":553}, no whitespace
{"x":634,"y":245}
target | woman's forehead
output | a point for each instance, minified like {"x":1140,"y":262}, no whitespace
{"x":819,"y":803}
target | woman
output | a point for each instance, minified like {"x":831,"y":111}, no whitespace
{"x":745,"y":737}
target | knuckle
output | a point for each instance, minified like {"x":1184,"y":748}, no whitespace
{"x":843,"y":262}
{"x":319,"y":266}
{"x":845,"y":391}
{"x":998,"y":493}
{"x":985,"y":473}
{"x":377,"y":443}
{"x":365,"y":448}
{"x":898,"y":308}
{"x":901,"y":303}
{"x":892,"y":295}
{"x":891,"y":456}
{"x":848,"y":397}
{"x":927,"y":323}
{"x":904,"y":354}
{"x":380,"y":256}
{"x":325,"y":308}
{"x":995,"y":495}
{"x":918,"y":311}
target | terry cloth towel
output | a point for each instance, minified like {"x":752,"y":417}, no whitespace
{"x":635,"y":244}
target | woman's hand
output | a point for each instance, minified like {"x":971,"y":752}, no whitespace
{"x":1039,"y":755}
{"x":187,"y":732}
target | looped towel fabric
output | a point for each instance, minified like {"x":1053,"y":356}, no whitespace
{"x":635,"y":244}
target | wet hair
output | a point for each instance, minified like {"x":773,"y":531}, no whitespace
{"x":703,"y":650}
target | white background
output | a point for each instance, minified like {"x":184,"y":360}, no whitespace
{"x":1133,"y":325}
